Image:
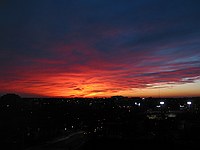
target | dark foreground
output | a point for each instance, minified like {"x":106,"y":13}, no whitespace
{"x":99,"y":124}
{"x":122,"y":144}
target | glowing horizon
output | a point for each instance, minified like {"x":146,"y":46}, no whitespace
{"x":100,"y":49}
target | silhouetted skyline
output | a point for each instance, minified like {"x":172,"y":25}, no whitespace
{"x":99,"y":123}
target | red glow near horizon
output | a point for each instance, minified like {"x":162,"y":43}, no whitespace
{"x":100,"y":48}
{"x":99,"y":77}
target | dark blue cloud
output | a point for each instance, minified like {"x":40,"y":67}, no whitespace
{"x":110,"y":35}
{"x":33,"y":26}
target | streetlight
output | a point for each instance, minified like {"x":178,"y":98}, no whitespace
{"x":162,"y":103}
{"x":189,"y":104}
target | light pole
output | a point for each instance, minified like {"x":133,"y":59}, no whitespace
{"x":162,"y":104}
{"x":189,"y":103}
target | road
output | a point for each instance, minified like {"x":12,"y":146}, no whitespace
{"x":70,"y":142}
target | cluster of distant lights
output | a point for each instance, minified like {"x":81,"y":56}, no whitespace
{"x":162,"y":103}
{"x":138,"y":104}
{"x":181,"y":106}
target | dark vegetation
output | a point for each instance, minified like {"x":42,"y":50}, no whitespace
{"x":110,"y":123}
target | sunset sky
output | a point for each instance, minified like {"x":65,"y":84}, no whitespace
{"x":97,"y":48}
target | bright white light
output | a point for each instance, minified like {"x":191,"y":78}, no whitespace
{"x":135,"y":103}
{"x":158,"y":106}
{"x":162,"y":103}
{"x":138,"y":104}
{"x":189,"y":103}
{"x":181,"y":106}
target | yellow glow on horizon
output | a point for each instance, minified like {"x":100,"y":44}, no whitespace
{"x":66,"y":85}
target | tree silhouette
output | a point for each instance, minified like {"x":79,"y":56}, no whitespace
{"x":10,"y":101}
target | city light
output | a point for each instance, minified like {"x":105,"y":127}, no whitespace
{"x":189,"y":103}
{"x":162,"y":103}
